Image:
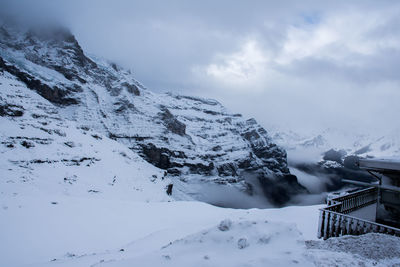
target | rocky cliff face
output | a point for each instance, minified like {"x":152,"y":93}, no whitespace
{"x":194,"y":140}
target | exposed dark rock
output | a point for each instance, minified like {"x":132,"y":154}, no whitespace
{"x":10,"y":145}
{"x":200,"y":168}
{"x":114,"y":91}
{"x":179,"y":155}
{"x":227,"y":169}
{"x":251,"y":136}
{"x":69,"y":74}
{"x":169,"y":189}
{"x":93,"y":191}
{"x":131,"y":88}
{"x":79,"y":161}
{"x":335,"y":155}
{"x":174,"y":171}
{"x":53,"y":94}
{"x":69,"y":144}
{"x":246,"y":164}
{"x":97,"y":137}
{"x":137,"y":138}
{"x":273,"y":157}
{"x":27,"y":144}
{"x":115,"y":67}
{"x":159,"y":157}
{"x":123,"y":105}
{"x":211,"y":112}
{"x":217,"y":148}
{"x":280,"y":188}
{"x":210,"y":102}
{"x":40,"y":161}
{"x":53,"y":131}
{"x":172,"y":123}
{"x":42,"y":141}
{"x":11,"y":110}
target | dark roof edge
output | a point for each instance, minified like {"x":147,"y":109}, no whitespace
{"x":379,"y":165}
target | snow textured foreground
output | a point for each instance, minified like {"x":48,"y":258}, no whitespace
{"x":59,"y":230}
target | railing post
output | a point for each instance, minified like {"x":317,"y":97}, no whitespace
{"x":326,"y":225}
{"x":363,"y":228}
{"x":332,"y":225}
{"x":321,"y":223}
{"x":344,"y":226}
{"x":350,"y":227}
{"x":358,"y":227}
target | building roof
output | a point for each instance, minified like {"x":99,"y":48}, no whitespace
{"x":380,"y":165}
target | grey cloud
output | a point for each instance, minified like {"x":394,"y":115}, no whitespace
{"x":164,"y":41}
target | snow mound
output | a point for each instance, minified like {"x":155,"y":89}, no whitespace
{"x":231,"y":243}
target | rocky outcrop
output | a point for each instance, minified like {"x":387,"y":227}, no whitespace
{"x":273,"y":156}
{"x":281,"y":188}
{"x":11,"y":110}
{"x":171,"y":122}
{"x":334,"y":155}
{"x":159,"y":157}
{"x":54,"y":94}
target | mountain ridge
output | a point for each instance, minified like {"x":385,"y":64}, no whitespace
{"x":194,"y":140}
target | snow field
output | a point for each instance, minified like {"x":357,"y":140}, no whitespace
{"x":62,"y":230}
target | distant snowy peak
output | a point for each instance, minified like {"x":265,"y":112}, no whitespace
{"x":362,"y":145}
{"x":194,"y":140}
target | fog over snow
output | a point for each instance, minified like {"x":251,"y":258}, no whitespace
{"x":298,"y":65}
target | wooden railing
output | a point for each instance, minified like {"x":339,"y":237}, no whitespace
{"x":354,"y":201}
{"x":334,"y":220}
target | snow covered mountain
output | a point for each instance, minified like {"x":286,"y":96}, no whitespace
{"x":51,"y":88}
{"x":384,"y":145}
{"x":322,"y":160}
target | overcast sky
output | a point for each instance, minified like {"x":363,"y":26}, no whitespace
{"x":299,"y":65}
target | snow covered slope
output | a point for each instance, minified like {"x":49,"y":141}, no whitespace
{"x":41,"y":154}
{"x":196,"y":141}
